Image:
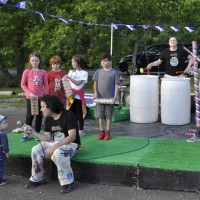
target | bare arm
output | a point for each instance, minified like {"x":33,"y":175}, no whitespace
{"x":116,"y":92}
{"x":73,"y":81}
{"x":155,"y":63}
{"x":95,"y":90}
{"x":30,"y":130}
{"x":189,"y":64}
{"x":67,"y":140}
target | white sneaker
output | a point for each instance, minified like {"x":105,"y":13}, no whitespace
{"x":81,"y":133}
{"x":3,"y":182}
{"x":194,"y":139}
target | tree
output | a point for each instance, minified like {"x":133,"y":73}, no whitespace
{"x":88,"y":32}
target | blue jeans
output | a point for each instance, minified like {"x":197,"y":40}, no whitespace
{"x":2,"y":164}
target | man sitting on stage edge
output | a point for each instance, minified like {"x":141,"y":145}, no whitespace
{"x":60,"y":152}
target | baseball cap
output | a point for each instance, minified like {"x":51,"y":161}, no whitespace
{"x":2,"y":118}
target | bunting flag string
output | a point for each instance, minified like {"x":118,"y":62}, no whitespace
{"x":22,"y":5}
{"x":3,"y":1}
{"x":65,"y":21}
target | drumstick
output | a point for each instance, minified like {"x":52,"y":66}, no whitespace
{"x":191,"y":53}
{"x":182,"y":72}
{"x":179,"y":72}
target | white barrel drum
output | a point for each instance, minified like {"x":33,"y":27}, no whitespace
{"x":144,"y":98}
{"x":175,"y":101}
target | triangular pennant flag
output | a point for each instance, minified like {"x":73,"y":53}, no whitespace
{"x":160,"y":28}
{"x":21,"y":5}
{"x":131,"y":27}
{"x":189,"y":28}
{"x":144,"y":26}
{"x":115,"y":26}
{"x":3,"y":1}
{"x":175,"y":28}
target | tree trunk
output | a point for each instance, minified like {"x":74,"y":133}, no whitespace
{"x":134,"y":57}
{"x":20,"y":59}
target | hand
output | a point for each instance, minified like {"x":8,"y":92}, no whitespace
{"x":49,"y":151}
{"x":27,"y":129}
{"x":7,"y":155}
{"x":114,"y":99}
{"x":65,"y":77}
{"x":32,"y":96}
{"x":186,"y":71}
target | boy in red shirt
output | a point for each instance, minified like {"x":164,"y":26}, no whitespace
{"x":55,"y":79}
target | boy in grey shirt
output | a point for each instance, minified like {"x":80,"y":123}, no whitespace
{"x":106,"y":81}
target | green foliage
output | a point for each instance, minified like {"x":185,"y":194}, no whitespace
{"x":50,"y":37}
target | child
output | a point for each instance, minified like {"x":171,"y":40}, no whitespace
{"x":3,"y":148}
{"x":35,"y":84}
{"x":78,"y":78}
{"x":106,"y":81}
{"x":55,"y":79}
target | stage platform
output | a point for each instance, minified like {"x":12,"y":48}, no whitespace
{"x":145,"y":156}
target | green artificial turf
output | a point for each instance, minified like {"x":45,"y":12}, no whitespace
{"x":126,"y":151}
{"x":19,"y":148}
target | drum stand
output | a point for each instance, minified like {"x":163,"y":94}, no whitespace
{"x":122,"y":93}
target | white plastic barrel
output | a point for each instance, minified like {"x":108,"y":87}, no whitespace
{"x":175,"y":101}
{"x":144,"y":98}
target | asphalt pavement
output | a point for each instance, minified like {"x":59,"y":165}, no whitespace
{"x":51,"y":190}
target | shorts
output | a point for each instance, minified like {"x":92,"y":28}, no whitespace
{"x":104,"y":111}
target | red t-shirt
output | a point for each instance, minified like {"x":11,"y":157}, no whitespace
{"x":55,"y":84}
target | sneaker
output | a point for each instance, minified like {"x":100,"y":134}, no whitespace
{"x":81,"y":133}
{"x":107,"y":135}
{"x":67,"y":188}
{"x":3,"y":182}
{"x":25,"y":137}
{"x":101,"y":135}
{"x":32,"y":184}
{"x":193,"y":139}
